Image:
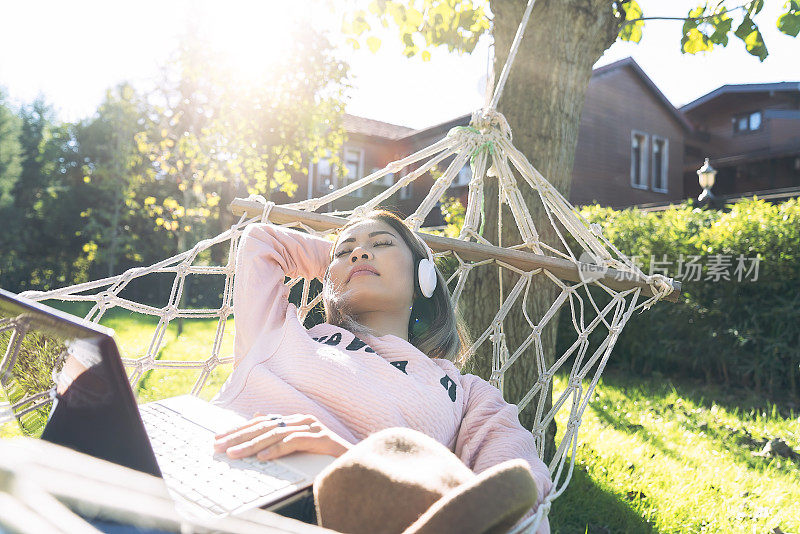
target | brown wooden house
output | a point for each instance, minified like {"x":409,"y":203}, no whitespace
{"x":634,"y":147}
{"x":630,"y":142}
{"x":371,"y":146}
{"x":751,"y":134}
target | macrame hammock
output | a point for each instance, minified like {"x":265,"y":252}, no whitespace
{"x":486,"y":145}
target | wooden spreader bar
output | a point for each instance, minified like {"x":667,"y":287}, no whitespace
{"x":467,"y":250}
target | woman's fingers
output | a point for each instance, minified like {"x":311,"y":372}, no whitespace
{"x":307,"y":441}
{"x":257,"y":418}
{"x":237,"y":428}
{"x":263,"y":437}
{"x":261,"y":425}
{"x":262,"y":441}
{"x":241,"y":435}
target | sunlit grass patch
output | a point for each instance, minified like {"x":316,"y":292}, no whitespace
{"x":658,"y":456}
{"x":134,"y":334}
{"x":654,"y":455}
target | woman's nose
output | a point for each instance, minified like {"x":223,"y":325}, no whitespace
{"x":359,"y":253}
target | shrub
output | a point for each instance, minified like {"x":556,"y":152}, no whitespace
{"x":731,"y":326}
{"x":743,"y":330}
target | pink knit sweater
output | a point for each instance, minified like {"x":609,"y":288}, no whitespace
{"x":355,"y":386}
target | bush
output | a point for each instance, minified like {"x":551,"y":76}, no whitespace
{"x":742,"y":331}
{"x":731,"y":326}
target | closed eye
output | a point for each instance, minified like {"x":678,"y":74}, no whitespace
{"x":376,"y":244}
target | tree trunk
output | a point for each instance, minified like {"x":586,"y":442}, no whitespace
{"x":542,"y":101}
{"x":229,"y":190}
{"x":111,"y":260}
{"x":119,"y":199}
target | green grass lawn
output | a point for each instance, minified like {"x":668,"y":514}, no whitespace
{"x":134,"y":333}
{"x":654,"y":455}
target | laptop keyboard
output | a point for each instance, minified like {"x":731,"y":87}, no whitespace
{"x":213,"y":481}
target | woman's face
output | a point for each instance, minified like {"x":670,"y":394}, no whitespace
{"x":372,"y":268}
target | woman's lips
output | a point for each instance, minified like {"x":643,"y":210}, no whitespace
{"x":359,"y":273}
{"x":362,"y":271}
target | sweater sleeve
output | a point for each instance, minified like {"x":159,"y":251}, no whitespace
{"x":491,"y":434}
{"x":266,"y":255}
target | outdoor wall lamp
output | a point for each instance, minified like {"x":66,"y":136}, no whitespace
{"x":706,"y":176}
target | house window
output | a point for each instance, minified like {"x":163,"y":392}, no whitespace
{"x":660,"y":161}
{"x":741,"y":124}
{"x":638,"y":160}
{"x":387,"y":180}
{"x":326,"y":180}
{"x":354,"y":163}
{"x":755,"y":120}
{"x":463,"y":177}
{"x":405,"y":192}
{"x":747,"y":122}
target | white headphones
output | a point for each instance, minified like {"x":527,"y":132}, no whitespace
{"x":426,"y":272}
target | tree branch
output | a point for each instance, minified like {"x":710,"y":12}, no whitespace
{"x":698,"y":19}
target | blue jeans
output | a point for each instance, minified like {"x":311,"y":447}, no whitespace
{"x":302,"y":509}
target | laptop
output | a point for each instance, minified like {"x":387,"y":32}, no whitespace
{"x":64,"y":382}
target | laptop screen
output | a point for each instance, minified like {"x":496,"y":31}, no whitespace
{"x":64,"y":382}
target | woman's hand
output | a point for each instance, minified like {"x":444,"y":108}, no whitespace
{"x":263,"y":437}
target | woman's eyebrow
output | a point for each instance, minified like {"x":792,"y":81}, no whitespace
{"x":371,"y":234}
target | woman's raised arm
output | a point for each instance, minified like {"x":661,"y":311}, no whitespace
{"x":265,"y":256}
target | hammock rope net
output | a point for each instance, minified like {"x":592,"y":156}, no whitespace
{"x":486,"y":146}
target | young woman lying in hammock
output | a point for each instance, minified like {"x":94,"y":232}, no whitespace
{"x":384,"y":358}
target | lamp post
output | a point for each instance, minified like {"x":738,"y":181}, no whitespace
{"x":706,"y":176}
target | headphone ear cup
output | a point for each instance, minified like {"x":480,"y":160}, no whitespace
{"x":426,"y":273}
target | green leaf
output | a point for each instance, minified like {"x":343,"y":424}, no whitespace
{"x":456,"y":24}
{"x":722,"y":26}
{"x":696,"y":12}
{"x":377,"y":7}
{"x":359,"y":24}
{"x":426,"y":56}
{"x":410,"y":51}
{"x":695,"y":41}
{"x":753,"y":41}
{"x":632,"y":10}
{"x":632,"y":27}
{"x":398,"y":13}
{"x":754,"y":8}
{"x":632,"y":32}
{"x":413,"y":17}
{"x":789,"y":22}
{"x":373,"y":43}
{"x":352,"y":42}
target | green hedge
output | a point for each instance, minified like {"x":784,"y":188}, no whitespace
{"x":741,"y":333}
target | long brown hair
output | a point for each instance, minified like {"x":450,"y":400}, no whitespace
{"x":434,"y":327}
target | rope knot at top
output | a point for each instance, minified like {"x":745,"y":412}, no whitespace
{"x":268,"y":204}
{"x":488,"y":119}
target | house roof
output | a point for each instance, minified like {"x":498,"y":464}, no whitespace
{"x":742,"y":88}
{"x":354,"y":124}
{"x":461,"y":120}
{"x":631,"y":63}
{"x":628,"y":62}
{"x":361,"y":125}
